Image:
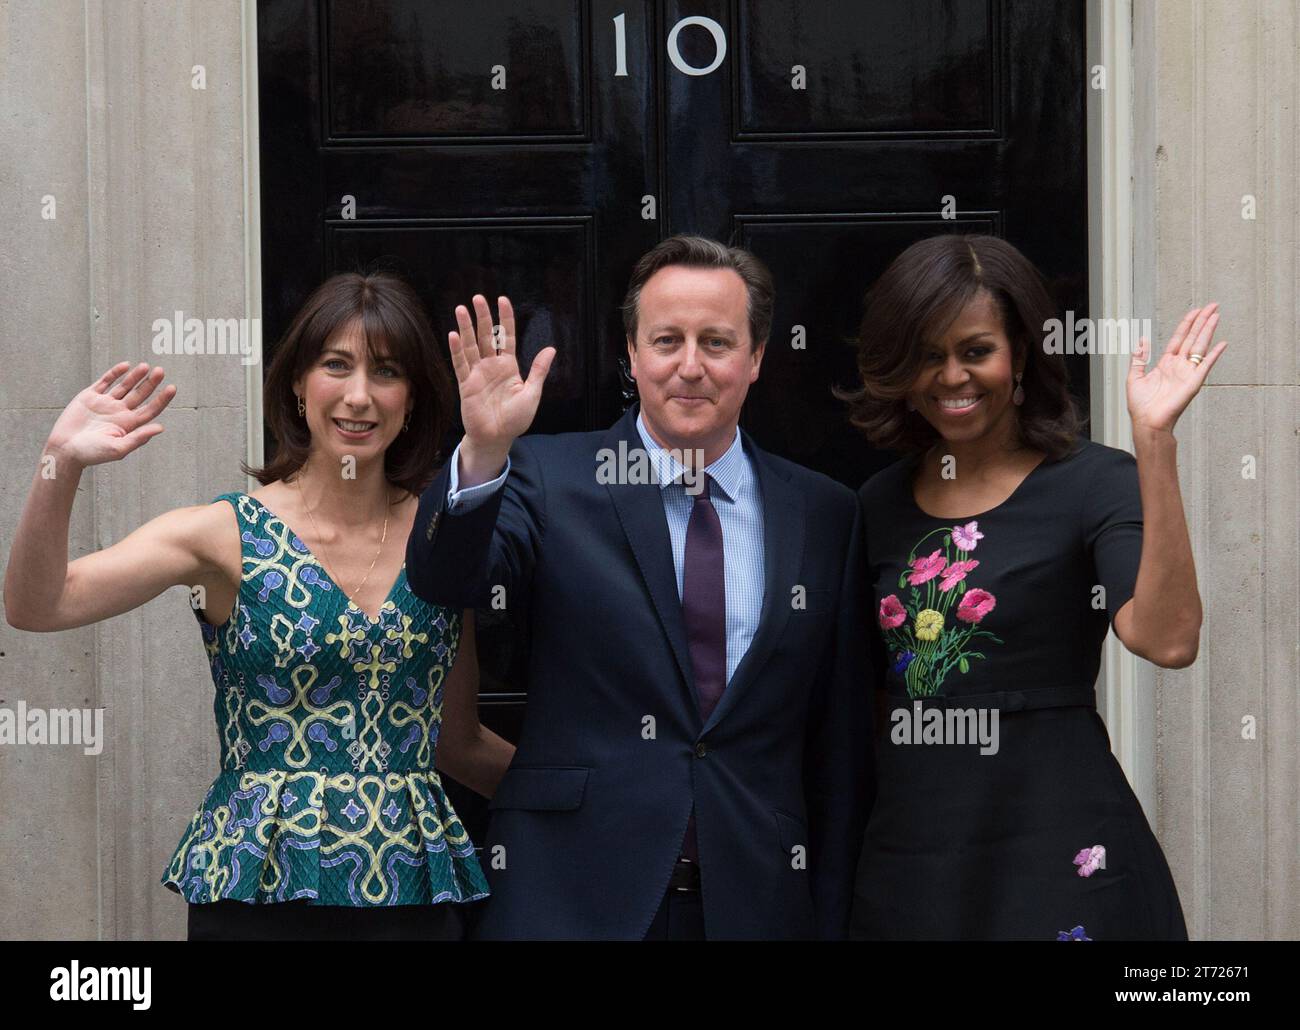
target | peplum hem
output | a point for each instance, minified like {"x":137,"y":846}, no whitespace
{"x":349,"y":839}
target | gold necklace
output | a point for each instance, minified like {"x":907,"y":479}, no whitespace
{"x":321,"y":539}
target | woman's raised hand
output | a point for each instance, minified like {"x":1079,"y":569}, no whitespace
{"x":1158,"y":395}
{"x":111,"y":417}
{"x":496,"y":405}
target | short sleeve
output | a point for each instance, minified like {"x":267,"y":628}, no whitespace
{"x":1112,"y":523}
{"x":878,"y":504}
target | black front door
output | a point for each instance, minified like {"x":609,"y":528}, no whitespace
{"x":537,"y":147}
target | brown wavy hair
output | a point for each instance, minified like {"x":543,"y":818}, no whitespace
{"x":912,"y":305}
{"x":390,"y":313}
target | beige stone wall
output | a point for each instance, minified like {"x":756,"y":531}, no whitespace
{"x":97,"y":110}
{"x":1217,"y":119}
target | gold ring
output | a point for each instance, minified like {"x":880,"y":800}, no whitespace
{"x":1196,"y":359}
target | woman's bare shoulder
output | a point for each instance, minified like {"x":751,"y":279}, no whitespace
{"x":210,"y":531}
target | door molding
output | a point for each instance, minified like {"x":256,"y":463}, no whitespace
{"x":1126,"y":684}
{"x":253,"y":373}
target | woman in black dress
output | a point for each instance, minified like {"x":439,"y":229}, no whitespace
{"x":1000,"y":550}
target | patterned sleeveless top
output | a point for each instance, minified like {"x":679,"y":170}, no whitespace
{"x":328,"y":724}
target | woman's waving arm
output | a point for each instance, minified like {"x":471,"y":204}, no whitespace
{"x":43,"y":592}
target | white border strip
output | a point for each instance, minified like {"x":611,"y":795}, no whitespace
{"x":252,"y":236}
{"x":1126,"y":687}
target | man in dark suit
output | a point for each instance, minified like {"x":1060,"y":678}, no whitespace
{"x":695,"y":756}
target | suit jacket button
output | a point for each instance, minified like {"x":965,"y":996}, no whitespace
{"x":701,"y":749}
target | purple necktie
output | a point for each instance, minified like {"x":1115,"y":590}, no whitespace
{"x":704,"y":604}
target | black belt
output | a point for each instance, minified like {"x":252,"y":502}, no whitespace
{"x":685,"y":878}
{"x":1004,"y":700}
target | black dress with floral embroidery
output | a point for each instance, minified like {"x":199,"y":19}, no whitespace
{"x":1001,"y":812}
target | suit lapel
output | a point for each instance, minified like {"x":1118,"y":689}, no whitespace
{"x":640,"y":509}
{"x":783,"y":534}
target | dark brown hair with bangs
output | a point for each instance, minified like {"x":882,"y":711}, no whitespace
{"x":911,"y":306}
{"x":392,"y":317}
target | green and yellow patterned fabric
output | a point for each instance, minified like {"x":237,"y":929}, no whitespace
{"x":328,"y":725}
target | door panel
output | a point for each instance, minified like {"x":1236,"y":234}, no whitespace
{"x":543,"y":265}
{"x":414,"y":72}
{"x":814,"y":323}
{"x":879,"y":70}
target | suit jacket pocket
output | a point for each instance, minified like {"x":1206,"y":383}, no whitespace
{"x":793,"y":882}
{"x":791,"y":831}
{"x":541,"y":788}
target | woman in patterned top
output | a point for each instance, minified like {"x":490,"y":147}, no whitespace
{"x":328,"y":819}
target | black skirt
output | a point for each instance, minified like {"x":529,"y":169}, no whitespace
{"x":301,"y":921}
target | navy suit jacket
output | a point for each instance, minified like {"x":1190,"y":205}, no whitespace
{"x":589,"y":820}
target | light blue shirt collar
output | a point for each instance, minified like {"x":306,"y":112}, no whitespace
{"x":726,"y":472}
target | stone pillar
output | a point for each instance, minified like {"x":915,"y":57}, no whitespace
{"x":147,"y":175}
{"x":1217,"y":132}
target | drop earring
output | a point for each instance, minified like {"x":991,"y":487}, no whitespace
{"x":407,"y":424}
{"x":1018,"y":397}
{"x":302,"y":408}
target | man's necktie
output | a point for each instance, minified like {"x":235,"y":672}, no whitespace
{"x":704,"y":604}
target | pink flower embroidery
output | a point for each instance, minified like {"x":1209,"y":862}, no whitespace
{"x":955,"y":573}
{"x":1089,"y":860}
{"x":975,"y":604}
{"x":892,"y":613}
{"x":967,"y":536}
{"x":931,"y":633}
{"x":927,"y":568}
